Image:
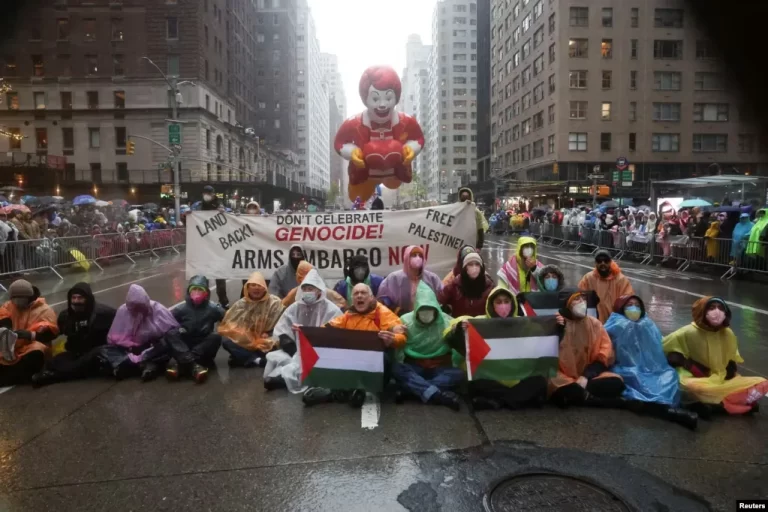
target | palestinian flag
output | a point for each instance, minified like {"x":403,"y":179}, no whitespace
{"x":503,"y":349}
{"x":549,"y":303}
{"x":341,"y":359}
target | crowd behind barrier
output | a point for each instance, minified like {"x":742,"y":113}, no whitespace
{"x":50,"y":254}
{"x":683,"y":252}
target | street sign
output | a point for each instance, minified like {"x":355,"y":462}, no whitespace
{"x":596,"y":168}
{"x":174,"y":134}
{"x":615,"y":175}
{"x":622,"y":163}
{"x":595,"y":176}
{"x":626,"y":183}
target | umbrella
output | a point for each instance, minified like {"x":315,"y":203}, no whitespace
{"x":58,"y":199}
{"x":45,"y":209}
{"x":16,"y":207}
{"x":196,"y":206}
{"x":3,"y":199}
{"x":83,"y":200}
{"x":120,"y":203}
{"x":11,"y":188}
{"x":101,"y":203}
{"x":28,"y":199}
{"x":727,"y":209}
{"x":151,"y":207}
{"x":609,"y":204}
{"x":694,"y":203}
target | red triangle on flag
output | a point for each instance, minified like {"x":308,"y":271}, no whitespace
{"x":308,"y":355}
{"x":477,"y":348}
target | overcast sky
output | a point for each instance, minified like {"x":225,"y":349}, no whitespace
{"x":377,"y":36}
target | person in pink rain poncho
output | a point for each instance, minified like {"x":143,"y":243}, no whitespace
{"x":397,"y":291}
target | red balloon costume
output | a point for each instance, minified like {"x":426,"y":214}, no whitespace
{"x":380,"y":143}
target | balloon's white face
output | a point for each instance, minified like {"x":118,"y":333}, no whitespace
{"x":380,"y":103}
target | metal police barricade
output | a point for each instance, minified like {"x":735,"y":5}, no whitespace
{"x":589,"y":238}
{"x":638,"y":246}
{"x":546,"y":233}
{"x":669,"y":248}
{"x":111,"y":246}
{"x":179,"y":238}
{"x":557,"y":239}
{"x":27,"y":256}
{"x":162,"y":240}
{"x":535,"y":229}
{"x":570,"y":235}
{"x":138,"y":243}
{"x":74,"y":251}
{"x":609,"y":240}
{"x":710,"y":252}
{"x":754,"y":259}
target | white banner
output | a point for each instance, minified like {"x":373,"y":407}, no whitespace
{"x":224,"y":246}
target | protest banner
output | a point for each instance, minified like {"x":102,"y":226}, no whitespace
{"x":224,"y":246}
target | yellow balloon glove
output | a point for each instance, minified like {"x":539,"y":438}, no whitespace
{"x":408,"y":155}
{"x":357,"y":158}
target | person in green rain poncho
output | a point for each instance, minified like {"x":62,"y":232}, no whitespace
{"x":424,"y":368}
{"x":758,"y":237}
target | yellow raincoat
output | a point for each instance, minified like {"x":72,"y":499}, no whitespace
{"x":714,"y":348}
{"x":713,"y":245}
{"x":248,"y":322}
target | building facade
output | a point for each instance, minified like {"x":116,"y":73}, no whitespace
{"x":576,"y":86}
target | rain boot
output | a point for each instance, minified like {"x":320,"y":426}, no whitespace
{"x":314,"y":396}
{"x":272,"y":383}
{"x":688,"y":419}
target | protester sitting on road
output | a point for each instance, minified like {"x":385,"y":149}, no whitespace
{"x":137,"y":340}
{"x":301,"y":273}
{"x":357,"y":270}
{"x":608,"y":282}
{"x":312,"y":309}
{"x":423,"y":368}
{"x":27,"y":318}
{"x":284,"y":279}
{"x":248,"y":323}
{"x":586,"y":354}
{"x":198,"y":342}
{"x":85,"y":324}
{"x":550,"y":278}
{"x":517,"y":274}
{"x":366,"y":314}
{"x":468,"y":292}
{"x":491,"y":394}
{"x":399,"y":287}
{"x":706,"y":354}
{"x":652,"y":386}
{"x":466,"y":196}
{"x":456,"y":270}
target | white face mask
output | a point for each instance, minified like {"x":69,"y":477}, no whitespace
{"x":309,"y":297}
{"x":207,"y":197}
{"x":579,"y":310}
{"x":426,"y":316}
{"x":527,"y":252}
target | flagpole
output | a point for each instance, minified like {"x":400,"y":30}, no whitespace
{"x":466,"y":351}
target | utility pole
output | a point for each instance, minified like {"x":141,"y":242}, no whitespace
{"x":594,"y":177}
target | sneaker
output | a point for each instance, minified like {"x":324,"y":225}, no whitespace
{"x":481,"y":403}
{"x":172,"y":371}
{"x":273,"y":383}
{"x":199,"y":373}
{"x":446,"y":398}
{"x":357,"y":398}
{"x":234,"y":363}
{"x":150,"y":373}
{"x":254,"y":363}
{"x":43,"y":378}
{"x":314,"y":396}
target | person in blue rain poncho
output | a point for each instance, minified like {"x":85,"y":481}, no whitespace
{"x":652,"y":386}
{"x":741,"y":234}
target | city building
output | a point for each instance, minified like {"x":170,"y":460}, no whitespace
{"x":81,"y":89}
{"x":452,"y":98}
{"x":578,"y":86}
{"x":313,"y":102}
{"x":484,"y":154}
{"x":330,"y":65}
{"x":337,"y":113}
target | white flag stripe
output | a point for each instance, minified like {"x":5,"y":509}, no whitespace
{"x":523,"y":348}
{"x":552,"y":312}
{"x":345,"y":359}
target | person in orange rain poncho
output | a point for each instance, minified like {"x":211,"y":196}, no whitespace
{"x":608,"y":282}
{"x":586,"y":353}
{"x":705,"y":354}
{"x":365,"y":314}
{"x":248,"y":323}
{"x":28,"y":325}
{"x":301,"y":273}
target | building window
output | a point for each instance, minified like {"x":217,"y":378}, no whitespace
{"x":667,"y":80}
{"x":68,"y":138}
{"x":746,"y":143}
{"x":538,"y":148}
{"x":173,"y":65}
{"x":538,"y":121}
{"x":633,"y":142}
{"x":708,"y":81}
{"x":538,"y":37}
{"x":526,"y":23}
{"x":62,"y":25}
{"x":665,"y":142}
{"x":633,"y":111}
{"x":526,"y":49}
{"x":605,"y":141}
{"x":14,"y":143}
{"x":577,"y":142}
{"x":578,"y":48}
{"x":633,"y":48}
{"x":538,"y":65}
{"x":633,"y":80}
{"x":666,"y":112}
{"x":41,"y":136}
{"x":66,"y":100}
{"x":713,"y":112}
{"x":634,"y":17}
{"x":551,"y":144}
{"x":525,"y":153}
{"x":551,"y":84}
{"x":93,"y":99}
{"x":120,"y":138}
{"x":607,"y":81}
{"x":577,"y":79}
{"x":552,"y":53}
{"x":207,"y":139}
{"x":119,"y":97}
{"x":607,"y":16}
{"x":578,"y":109}
{"x":579,"y":16}
{"x":516,"y":132}
{"x":89,"y":29}
{"x":606,"y":48}
{"x":12,"y":100}
{"x":667,"y":49}
{"x":38,"y":67}
{"x":668,"y":18}
{"x":91,"y":65}
{"x":94,"y":138}
{"x":551,"y":24}
{"x":525,"y":126}
{"x":605,"y":111}
{"x":39,"y":98}
{"x":705,"y":50}
{"x":118,"y":65}
{"x":118,"y":34}
{"x":10,"y":65}
{"x":172,"y":27}
{"x":526,"y":101}
{"x":551,"y":113}
{"x":706,"y":142}
{"x":122,"y":171}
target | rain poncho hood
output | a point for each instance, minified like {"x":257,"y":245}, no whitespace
{"x":756,"y":246}
{"x":425,"y":341}
{"x":741,"y":233}
{"x":480,"y":221}
{"x":714,"y":349}
{"x":608,"y":289}
{"x":198,"y":321}
{"x":81,"y":337}
{"x":399,"y":289}
{"x":513,"y":275}
{"x":640,"y":360}
{"x":140,"y":321}
{"x":284,"y":278}
{"x":344,"y":287}
{"x":301,"y":272}
{"x":248,"y":322}
{"x":549,"y":269}
{"x":36,"y":317}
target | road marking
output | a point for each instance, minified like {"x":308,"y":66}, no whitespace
{"x":370,"y":412}
{"x":3,"y":390}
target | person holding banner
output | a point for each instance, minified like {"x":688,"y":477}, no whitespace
{"x":456,"y":271}
{"x":312,"y":309}
{"x":399,"y":288}
{"x":517,"y":274}
{"x":423,"y":368}
{"x":487,"y":394}
{"x":609,"y":283}
{"x":284,"y":279}
{"x":211,"y":203}
{"x":586,"y":353}
{"x":247,"y":324}
{"x":467,"y":294}
{"x":467,"y":196}
{"x":356,"y":271}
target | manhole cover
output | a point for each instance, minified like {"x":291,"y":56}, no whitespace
{"x":550,"y":492}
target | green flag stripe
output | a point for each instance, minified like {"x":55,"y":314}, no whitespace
{"x":516,"y":369}
{"x":345,"y":379}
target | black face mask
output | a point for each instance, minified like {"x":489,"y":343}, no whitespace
{"x":79,"y":308}
{"x":295,"y":261}
{"x":359,"y":274}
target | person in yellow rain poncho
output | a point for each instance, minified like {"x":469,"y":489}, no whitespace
{"x":705,"y":354}
{"x":713,"y":245}
{"x":467,"y":196}
{"x":247,"y":324}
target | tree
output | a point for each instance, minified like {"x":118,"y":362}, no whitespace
{"x":333,"y":194}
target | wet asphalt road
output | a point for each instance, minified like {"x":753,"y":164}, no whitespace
{"x":228,"y":445}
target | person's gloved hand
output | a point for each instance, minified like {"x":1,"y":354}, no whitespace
{"x":24,"y":334}
{"x":697,"y":369}
{"x":594,"y":369}
{"x":730,"y":370}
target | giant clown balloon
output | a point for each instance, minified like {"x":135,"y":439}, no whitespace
{"x":380,"y":143}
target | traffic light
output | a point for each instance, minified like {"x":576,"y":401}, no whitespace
{"x":130,"y":147}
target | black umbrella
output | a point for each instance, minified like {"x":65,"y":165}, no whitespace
{"x":151,"y":207}
{"x":609,"y":204}
{"x":46,"y":200}
{"x":33,"y":202}
{"x":45,"y":209}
